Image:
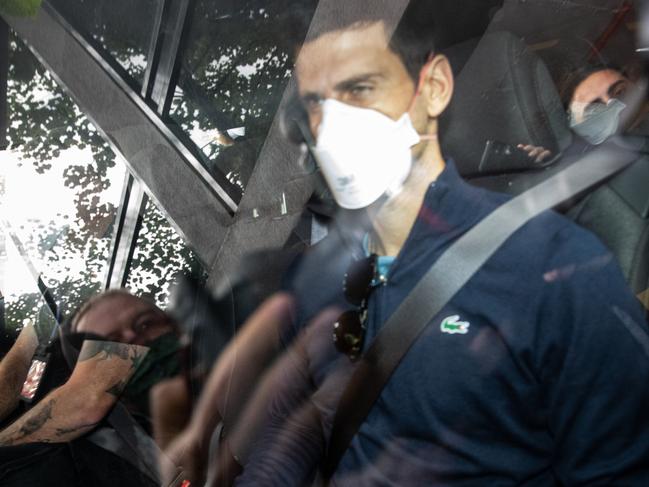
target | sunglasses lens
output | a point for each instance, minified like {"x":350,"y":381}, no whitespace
{"x":349,"y":333}
{"x":358,"y":280}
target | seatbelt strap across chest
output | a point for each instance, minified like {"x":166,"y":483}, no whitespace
{"x":445,"y":278}
{"x":140,"y":450}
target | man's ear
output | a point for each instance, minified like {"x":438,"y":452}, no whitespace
{"x":437,"y":85}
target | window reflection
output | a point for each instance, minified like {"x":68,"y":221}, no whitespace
{"x":22,"y":302}
{"x":234,"y":69}
{"x":121,"y":27}
{"x":160,"y":253}
{"x":62,"y":186}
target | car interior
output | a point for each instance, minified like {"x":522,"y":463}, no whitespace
{"x":510,"y":60}
{"x":505,"y":92}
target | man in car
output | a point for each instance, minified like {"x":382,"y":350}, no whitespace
{"x":125,"y":335}
{"x":535,"y":373}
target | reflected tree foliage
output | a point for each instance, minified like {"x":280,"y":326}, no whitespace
{"x":233,"y":68}
{"x":121,"y":28}
{"x":236,"y":63}
{"x":159,"y":255}
{"x":46,"y":128}
{"x":20,"y":309}
{"x":44,"y":119}
{"x":49,"y":131}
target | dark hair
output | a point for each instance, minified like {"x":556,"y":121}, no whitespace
{"x":413,"y":39}
{"x":572,"y":80}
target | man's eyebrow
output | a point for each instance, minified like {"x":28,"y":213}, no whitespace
{"x":351,"y":82}
{"x":312,"y":96}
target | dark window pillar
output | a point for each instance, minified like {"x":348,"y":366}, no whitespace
{"x":4,"y":74}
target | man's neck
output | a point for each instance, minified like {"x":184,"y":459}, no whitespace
{"x":394,"y":220}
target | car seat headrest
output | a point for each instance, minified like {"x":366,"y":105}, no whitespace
{"x":504,"y":94}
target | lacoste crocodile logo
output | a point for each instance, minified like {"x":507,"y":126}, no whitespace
{"x":451,"y":325}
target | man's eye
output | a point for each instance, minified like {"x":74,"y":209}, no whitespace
{"x":360,"y":91}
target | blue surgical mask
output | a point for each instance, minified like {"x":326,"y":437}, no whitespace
{"x":602,"y":122}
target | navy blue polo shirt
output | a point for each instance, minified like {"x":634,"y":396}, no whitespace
{"x":535,"y":373}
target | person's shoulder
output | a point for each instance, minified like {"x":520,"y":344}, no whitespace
{"x":486,"y":200}
{"x":568,"y":242}
{"x":560,"y":252}
{"x":577,"y":266}
{"x":548,"y":230}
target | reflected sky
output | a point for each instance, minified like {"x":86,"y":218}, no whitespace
{"x":33,"y":203}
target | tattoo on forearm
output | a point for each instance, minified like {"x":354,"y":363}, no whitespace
{"x":30,"y":426}
{"x":40,"y":418}
{"x":74,"y":429}
{"x":137,"y":357}
{"x":104,"y":350}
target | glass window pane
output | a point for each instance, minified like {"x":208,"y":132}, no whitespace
{"x":62,"y":185}
{"x":160,"y":253}
{"x":234,"y":69}
{"x":21,"y":301}
{"x":122,"y":28}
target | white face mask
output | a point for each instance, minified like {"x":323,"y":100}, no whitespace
{"x":362,"y":153}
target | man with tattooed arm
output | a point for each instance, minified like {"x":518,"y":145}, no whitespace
{"x":124,"y":338}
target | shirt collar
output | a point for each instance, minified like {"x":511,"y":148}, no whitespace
{"x":450,"y":208}
{"x":450,"y":204}
{"x":438,"y":215}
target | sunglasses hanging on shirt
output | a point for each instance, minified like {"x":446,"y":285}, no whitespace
{"x":349,"y":328}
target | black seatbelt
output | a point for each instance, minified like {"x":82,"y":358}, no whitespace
{"x":150,"y":458}
{"x":141,"y":451}
{"x":445,"y":278}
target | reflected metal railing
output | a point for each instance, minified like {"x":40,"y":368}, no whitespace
{"x":222,"y":189}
